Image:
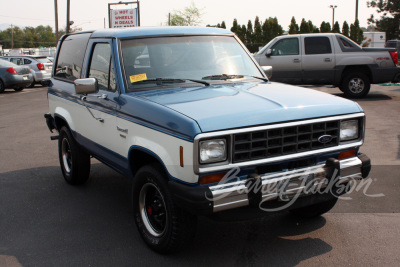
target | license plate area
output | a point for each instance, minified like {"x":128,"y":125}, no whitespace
{"x":25,"y":78}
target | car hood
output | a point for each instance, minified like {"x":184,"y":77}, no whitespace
{"x":228,"y":106}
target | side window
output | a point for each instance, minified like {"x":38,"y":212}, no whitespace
{"x":345,"y":43}
{"x":317,"y":45}
{"x":27,"y":61}
{"x":70,"y":58}
{"x":17,"y":61}
{"x":101,"y":67}
{"x":285,"y":47}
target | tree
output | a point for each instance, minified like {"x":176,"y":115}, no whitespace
{"x":304,"y":27}
{"x":325,"y":27}
{"x":390,"y":17}
{"x":258,"y":38}
{"x":293,"y":27}
{"x":336,"y":27}
{"x":356,"y":34}
{"x":249,"y":32}
{"x":242,"y":33}
{"x":312,"y":27}
{"x":235,"y":27}
{"x":189,"y":16}
{"x":223,"y":26}
{"x":345,"y":29}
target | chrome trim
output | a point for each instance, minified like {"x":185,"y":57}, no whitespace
{"x":223,"y":166}
{"x":234,"y":195}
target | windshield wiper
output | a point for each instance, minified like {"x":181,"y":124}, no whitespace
{"x":160,"y":81}
{"x":233,"y":76}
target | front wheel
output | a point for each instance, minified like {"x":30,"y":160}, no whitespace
{"x":163,"y":226}
{"x":74,"y":162}
{"x":315,"y":210}
{"x":355,"y":85}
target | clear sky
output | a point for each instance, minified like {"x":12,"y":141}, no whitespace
{"x":90,"y":14}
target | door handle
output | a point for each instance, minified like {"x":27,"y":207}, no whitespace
{"x":327,"y":60}
{"x":122,"y":129}
{"x":296,"y":60}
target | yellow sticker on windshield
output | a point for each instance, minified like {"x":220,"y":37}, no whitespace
{"x":138,"y":78}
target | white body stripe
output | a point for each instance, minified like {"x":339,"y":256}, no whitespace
{"x":106,"y":134}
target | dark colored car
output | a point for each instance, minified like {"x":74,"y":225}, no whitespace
{"x":14,"y":76}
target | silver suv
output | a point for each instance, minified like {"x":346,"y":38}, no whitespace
{"x":40,"y":66}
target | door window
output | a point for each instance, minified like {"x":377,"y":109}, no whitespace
{"x":284,"y":47}
{"x":17,"y":61}
{"x":317,"y":45}
{"x":101,"y":67}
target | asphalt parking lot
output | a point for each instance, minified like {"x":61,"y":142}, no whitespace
{"x":45,"y":222}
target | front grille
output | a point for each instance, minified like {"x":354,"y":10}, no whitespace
{"x":283,"y":141}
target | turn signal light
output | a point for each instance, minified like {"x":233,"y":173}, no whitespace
{"x":213,"y":178}
{"x":347,"y":154}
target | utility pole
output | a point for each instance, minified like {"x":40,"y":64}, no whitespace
{"x":56,"y":17}
{"x":356,"y":9}
{"x":12,"y":36}
{"x":333,"y":14}
{"x":67,"y":30}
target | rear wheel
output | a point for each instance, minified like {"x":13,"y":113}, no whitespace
{"x":356,"y":85}
{"x":315,"y":210}
{"x":163,"y":226}
{"x":31,"y":85}
{"x":74,"y":162}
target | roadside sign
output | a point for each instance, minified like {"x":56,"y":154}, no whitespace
{"x":120,"y":18}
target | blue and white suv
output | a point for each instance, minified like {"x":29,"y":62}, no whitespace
{"x":191,"y":118}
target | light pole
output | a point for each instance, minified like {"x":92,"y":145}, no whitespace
{"x":356,"y":9}
{"x":333,"y":14}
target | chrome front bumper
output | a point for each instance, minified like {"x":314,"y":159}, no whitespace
{"x":287,"y":184}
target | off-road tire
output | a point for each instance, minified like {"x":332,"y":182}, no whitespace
{"x":163,"y":226}
{"x":74,"y":162}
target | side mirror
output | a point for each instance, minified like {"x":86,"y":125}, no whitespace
{"x":86,"y":86}
{"x":268,"y":71}
{"x":269,"y":53}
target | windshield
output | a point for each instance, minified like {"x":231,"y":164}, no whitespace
{"x":265,"y":47}
{"x":188,"y":57}
{"x":43,"y":60}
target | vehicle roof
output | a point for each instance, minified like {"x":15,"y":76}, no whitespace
{"x":311,"y":34}
{"x":154,"y":31}
{"x":31,"y":56}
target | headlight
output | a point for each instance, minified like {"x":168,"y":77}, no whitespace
{"x":212,"y":151}
{"x":348,"y":130}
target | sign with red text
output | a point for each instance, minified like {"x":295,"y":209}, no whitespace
{"x":121,"y":18}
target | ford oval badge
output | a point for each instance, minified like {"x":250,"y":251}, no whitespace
{"x":325,"y":139}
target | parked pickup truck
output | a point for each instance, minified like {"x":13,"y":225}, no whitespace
{"x":329,"y":59}
{"x":191,"y":118}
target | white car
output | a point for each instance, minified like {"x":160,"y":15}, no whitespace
{"x":40,"y":66}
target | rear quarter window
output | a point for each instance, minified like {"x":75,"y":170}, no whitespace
{"x":70,"y":57}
